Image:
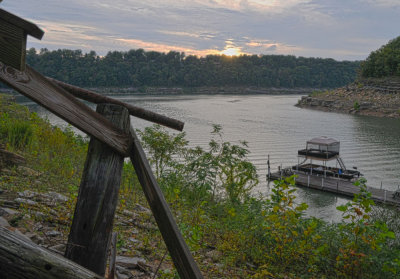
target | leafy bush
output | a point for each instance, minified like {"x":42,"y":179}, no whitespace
{"x":356,"y":106}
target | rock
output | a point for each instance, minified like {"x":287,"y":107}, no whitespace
{"x":7,"y":211}
{"x":4,"y":222}
{"x":214,"y":255}
{"x":54,"y":196}
{"x":128,"y":262}
{"x":127,"y":212}
{"x":122,"y":273}
{"x":38,"y":227}
{"x":35,"y":238}
{"x":40,"y":215}
{"x":365,"y":105}
{"x":27,"y":194}
{"x":53,"y":233}
{"x":25,"y":201}
{"x":133,"y":240}
{"x":28,"y":171}
{"x":141,"y":208}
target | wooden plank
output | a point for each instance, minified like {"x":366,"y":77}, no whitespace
{"x":13,"y":45}
{"x":97,"y":198}
{"x":133,"y":110}
{"x":180,"y":254}
{"x":36,"y":87}
{"x":22,"y":259}
{"x":27,"y":26}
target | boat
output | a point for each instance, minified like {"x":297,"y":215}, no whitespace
{"x":318,"y":156}
{"x":320,"y":167}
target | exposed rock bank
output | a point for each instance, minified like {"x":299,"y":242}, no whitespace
{"x":367,"y":97}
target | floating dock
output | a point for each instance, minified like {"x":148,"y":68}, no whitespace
{"x":340,"y":187}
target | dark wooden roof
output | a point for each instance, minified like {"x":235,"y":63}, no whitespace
{"x":28,"y":27}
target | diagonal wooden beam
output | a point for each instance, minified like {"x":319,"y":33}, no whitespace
{"x":20,"y":258}
{"x":44,"y":92}
{"x":93,"y":97}
{"x":179,"y":251}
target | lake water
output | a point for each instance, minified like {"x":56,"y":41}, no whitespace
{"x":272,"y":125}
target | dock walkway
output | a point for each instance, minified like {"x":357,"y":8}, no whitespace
{"x":341,"y":187}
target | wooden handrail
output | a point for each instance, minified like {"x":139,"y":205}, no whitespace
{"x":93,"y":97}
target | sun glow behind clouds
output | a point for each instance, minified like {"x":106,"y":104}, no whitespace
{"x":232,"y":51}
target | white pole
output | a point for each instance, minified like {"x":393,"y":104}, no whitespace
{"x":385,"y":195}
{"x":308,"y":183}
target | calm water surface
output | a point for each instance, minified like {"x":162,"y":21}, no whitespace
{"x":273,"y":126}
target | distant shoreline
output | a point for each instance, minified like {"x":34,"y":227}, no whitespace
{"x":205,"y":90}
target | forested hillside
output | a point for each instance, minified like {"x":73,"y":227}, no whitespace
{"x":384,"y":62}
{"x":137,"y":68}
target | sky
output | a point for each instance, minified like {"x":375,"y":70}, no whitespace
{"x":338,"y":29}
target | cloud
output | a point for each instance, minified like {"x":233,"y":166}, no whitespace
{"x":149,"y":46}
{"x":340,"y":29}
{"x":383,"y":3}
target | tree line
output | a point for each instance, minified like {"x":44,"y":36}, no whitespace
{"x":384,"y":62}
{"x":138,"y":68}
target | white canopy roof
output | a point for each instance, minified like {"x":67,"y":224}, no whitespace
{"x":323,"y":141}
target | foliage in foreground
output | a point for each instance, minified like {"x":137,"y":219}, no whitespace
{"x":267,"y":237}
{"x":231,"y":233}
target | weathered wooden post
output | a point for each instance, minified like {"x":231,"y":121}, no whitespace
{"x":97,"y":199}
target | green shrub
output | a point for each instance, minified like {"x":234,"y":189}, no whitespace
{"x":356,"y":106}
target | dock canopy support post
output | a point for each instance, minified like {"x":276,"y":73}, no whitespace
{"x":97,"y":199}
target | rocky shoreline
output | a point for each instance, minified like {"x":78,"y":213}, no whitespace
{"x":365,"y":97}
